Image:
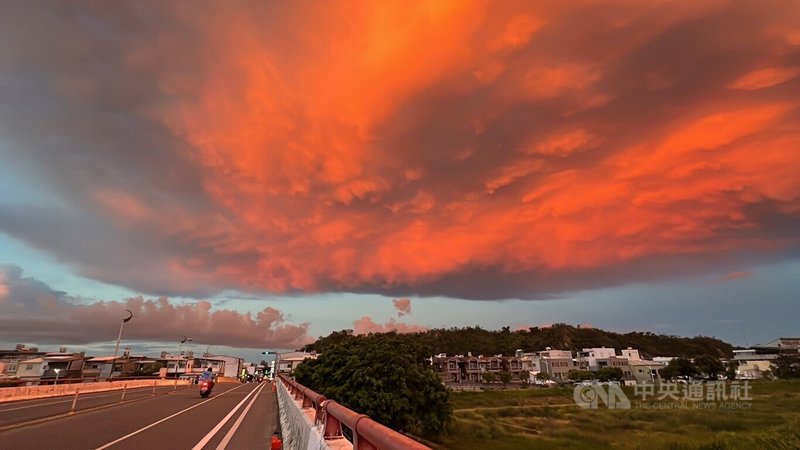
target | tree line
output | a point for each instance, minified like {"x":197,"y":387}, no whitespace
{"x":454,"y":341}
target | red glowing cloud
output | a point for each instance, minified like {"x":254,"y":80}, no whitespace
{"x":403,"y":306}
{"x":462,"y":149}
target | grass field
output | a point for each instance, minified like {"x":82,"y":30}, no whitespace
{"x":548,"y":418}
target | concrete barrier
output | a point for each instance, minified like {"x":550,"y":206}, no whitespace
{"x":9,"y":394}
{"x":298,"y":427}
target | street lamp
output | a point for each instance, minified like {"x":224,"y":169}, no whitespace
{"x":274,"y":362}
{"x":56,"y":371}
{"x":177,"y":363}
{"x":116,"y":348}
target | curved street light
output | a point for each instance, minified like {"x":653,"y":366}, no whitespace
{"x":116,"y":348}
{"x":178,"y":362}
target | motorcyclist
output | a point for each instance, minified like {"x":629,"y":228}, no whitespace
{"x":207,"y":375}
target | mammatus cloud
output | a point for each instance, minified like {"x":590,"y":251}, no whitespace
{"x":403,"y":306}
{"x":366,"y":325}
{"x":522,"y":150}
{"x":31,"y":311}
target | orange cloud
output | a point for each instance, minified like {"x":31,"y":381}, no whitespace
{"x":763,"y":78}
{"x":403,"y":306}
{"x":465,"y":149}
{"x":366,"y":325}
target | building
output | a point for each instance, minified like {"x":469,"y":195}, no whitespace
{"x":108,"y":367}
{"x":631,"y":354}
{"x":588,"y":357}
{"x":783,"y":345}
{"x":63,"y":366}
{"x":30,"y":371}
{"x":231,"y":365}
{"x":556,"y":363}
{"x":752,"y":362}
{"x":470,"y":369}
{"x":10,"y":359}
{"x":288,"y":361}
{"x":642,"y":371}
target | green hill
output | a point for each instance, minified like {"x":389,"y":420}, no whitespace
{"x":454,"y":341}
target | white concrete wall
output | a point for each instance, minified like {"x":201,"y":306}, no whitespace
{"x":297,"y":426}
{"x":28,"y":392}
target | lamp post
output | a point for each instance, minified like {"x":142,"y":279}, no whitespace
{"x":177,"y":363}
{"x":275,"y":362}
{"x":116,"y":347}
{"x":56,"y":371}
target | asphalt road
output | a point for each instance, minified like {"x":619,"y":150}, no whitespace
{"x":235,"y":416}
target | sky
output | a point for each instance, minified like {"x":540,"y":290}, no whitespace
{"x":258,"y":174}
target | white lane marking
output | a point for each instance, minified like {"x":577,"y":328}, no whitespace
{"x":238,"y":422}
{"x":164,"y":419}
{"x":222,"y":422}
{"x":93,"y":394}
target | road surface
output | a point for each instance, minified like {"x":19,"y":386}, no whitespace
{"x":235,"y":416}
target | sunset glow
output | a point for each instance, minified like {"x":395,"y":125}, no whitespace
{"x":470,"y":150}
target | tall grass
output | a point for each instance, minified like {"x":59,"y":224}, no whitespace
{"x":522,"y":420}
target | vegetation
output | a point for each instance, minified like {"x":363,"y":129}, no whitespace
{"x":609,"y":374}
{"x":679,"y":367}
{"x":454,"y":341}
{"x":385,"y":376}
{"x":579,"y":375}
{"x":787,"y":367}
{"x":709,"y":366}
{"x":549,"y":419}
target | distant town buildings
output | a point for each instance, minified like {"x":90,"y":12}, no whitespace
{"x":30,"y":366}
{"x":554,"y":365}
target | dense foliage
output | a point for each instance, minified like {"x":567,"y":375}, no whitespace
{"x":454,"y":341}
{"x":787,"y":367}
{"x":680,"y":367}
{"x":609,"y":373}
{"x":385,"y":376}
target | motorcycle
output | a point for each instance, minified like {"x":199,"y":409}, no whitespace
{"x":205,"y":388}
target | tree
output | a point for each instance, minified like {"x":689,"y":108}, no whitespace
{"x":730,"y":372}
{"x":579,"y":375}
{"x":489,"y":377}
{"x":609,"y":373}
{"x":787,"y":366}
{"x":709,"y":366}
{"x":505,"y":377}
{"x":524,"y":376}
{"x":385,"y":376}
{"x":542,"y":376}
{"x":679,"y":367}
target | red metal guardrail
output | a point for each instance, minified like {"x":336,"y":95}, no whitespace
{"x":367,"y":434}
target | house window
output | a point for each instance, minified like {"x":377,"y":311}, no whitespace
{"x":29,"y":367}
